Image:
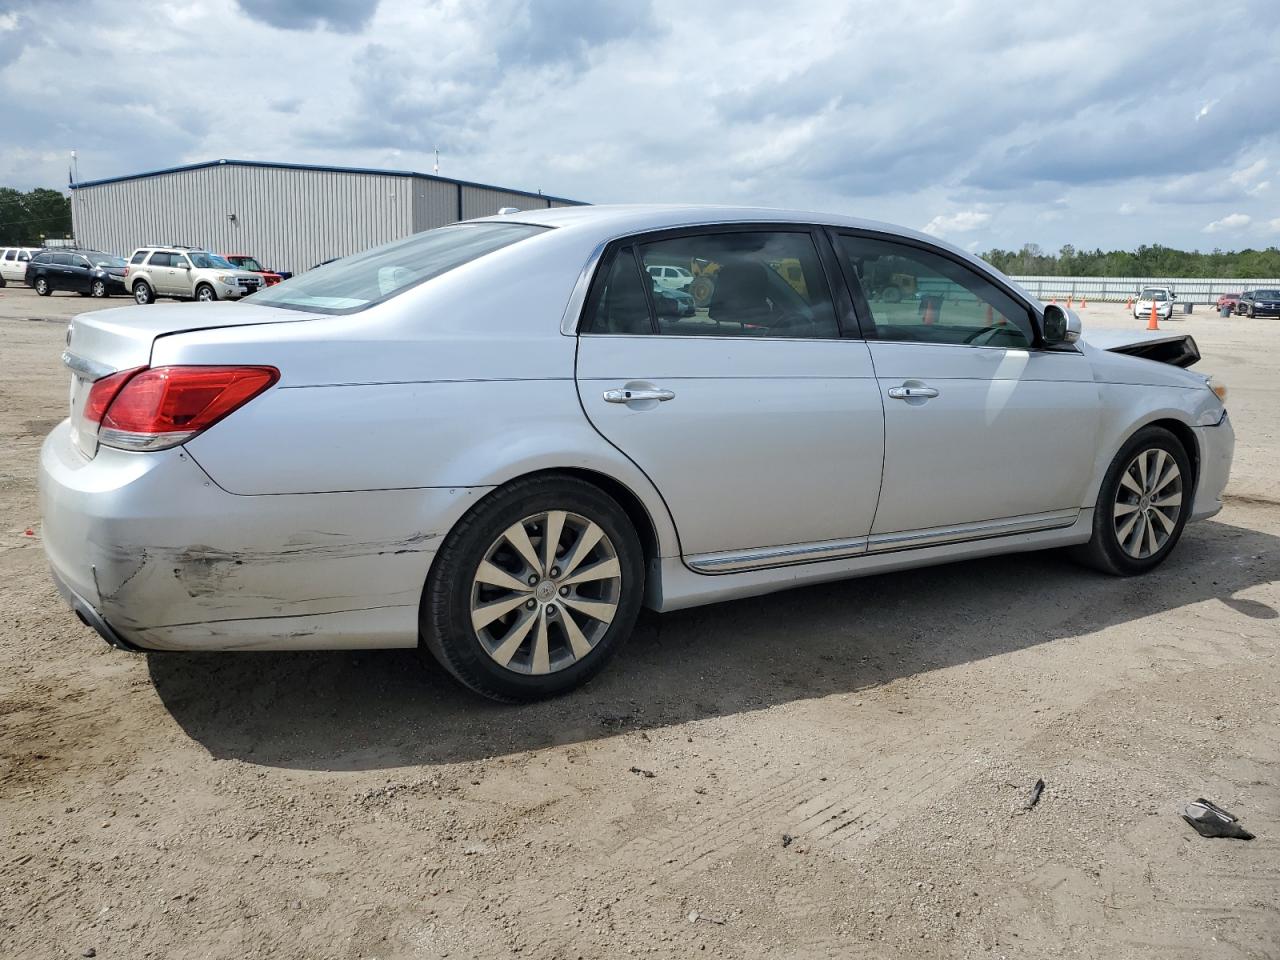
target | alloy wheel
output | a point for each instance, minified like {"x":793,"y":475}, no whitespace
{"x":545,"y":592}
{"x":99,"y":289}
{"x":1148,"y":502}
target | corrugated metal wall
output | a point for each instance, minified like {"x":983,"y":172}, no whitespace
{"x":289,"y":218}
{"x":481,"y":202}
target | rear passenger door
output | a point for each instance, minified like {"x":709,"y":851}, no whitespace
{"x":757,"y":418}
{"x":160,"y":267}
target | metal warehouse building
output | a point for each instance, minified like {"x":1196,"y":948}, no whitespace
{"x":290,"y":216}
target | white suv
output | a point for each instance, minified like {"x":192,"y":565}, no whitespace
{"x":186,"y":273}
{"x":671,"y":278}
{"x":13,"y":263}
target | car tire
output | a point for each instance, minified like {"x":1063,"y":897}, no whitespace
{"x":42,"y":287}
{"x":549,"y":642}
{"x":98,"y":289}
{"x":1251,"y":314}
{"x":206,"y":293}
{"x":1151,"y":497}
{"x":143,"y":294}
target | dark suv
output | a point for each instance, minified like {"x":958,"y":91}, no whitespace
{"x":1253,"y":303}
{"x":90,"y":273}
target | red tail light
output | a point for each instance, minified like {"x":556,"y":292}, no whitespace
{"x":159,"y":407}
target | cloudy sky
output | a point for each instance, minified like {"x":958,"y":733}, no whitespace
{"x":991,"y":123}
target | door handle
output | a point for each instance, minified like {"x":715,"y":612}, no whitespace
{"x":912,"y":393}
{"x":624,"y":395}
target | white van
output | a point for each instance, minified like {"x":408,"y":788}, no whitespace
{"x":13,"y":262}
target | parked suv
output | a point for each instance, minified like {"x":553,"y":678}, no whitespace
{"x":1259,"y":303}
{"x":90,"y":273}
{"x":186,"y":273}
{"x":243,"y":261}
{"x":13,"y":263}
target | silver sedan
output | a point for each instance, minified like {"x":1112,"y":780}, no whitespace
{"x":497,"y":440}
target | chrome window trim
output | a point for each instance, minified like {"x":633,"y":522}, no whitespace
{"x":89,"y":369}
{"x":795,"y":553}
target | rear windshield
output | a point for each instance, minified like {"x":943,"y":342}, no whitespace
{"x":363,"y":279}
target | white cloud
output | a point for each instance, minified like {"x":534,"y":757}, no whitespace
{"x":1127,"y":209}
{"x":1273,"y":226}
{"x":964,"y":221}
{"x":1204,"y":110}
{"x":1230,"y":223}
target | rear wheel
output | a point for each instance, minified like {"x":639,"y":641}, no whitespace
{"x":143,"y":293}
{"x":205,"y":293}
{"x":534,"y":590}
{"x":42,"y":287}
{"x":1143,"y":505}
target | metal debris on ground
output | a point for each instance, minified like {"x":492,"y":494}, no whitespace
{"x":1034,"y":798}
{"x":787,"y":840}
{"x":1210,"y":820}
{"x":643,"y":773}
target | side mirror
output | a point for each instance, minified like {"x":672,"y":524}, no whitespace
{"x":1060,"y":325}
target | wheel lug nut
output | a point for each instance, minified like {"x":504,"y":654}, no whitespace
{"x":551,"y":610}
{"x":555,"y":571}
{"x":564,"y":591}
{"x":533,"y":579}
{"x":531,"y":603}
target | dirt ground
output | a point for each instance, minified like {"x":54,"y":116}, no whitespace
{"x":832,"y":772}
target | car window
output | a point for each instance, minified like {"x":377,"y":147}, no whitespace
{"x":80,"y":262}
{"x":138,"y":257}
{"x":363,"y":279}
{"x":737,"y":285}
{"x":9,"y":255}
{"x":63,"y":259}
{"x":619,"y":304}
{"x":1268,"y":295}
{"x":207,"y":261}
{"x":161,"y":259}
{"x":106,"y":260}
{"x":23,"y":255}
{"x":917,"y":295}
{"x":42,"y":258}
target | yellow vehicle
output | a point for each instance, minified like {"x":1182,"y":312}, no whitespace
{"x":704,"y":278}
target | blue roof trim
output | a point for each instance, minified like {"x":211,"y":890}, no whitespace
{"x":321,"y":169}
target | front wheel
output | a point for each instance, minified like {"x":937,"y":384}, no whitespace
{"x":534,"y":590}
{"x":143,"y":293}
{"x":98,"y":290}
{"x":42,"y":287}
{"x":205,"y":294}
{"x":1143,"y":505}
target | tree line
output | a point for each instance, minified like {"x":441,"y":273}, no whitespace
{"x":1147,"y":261}
{"x":27,"y":218}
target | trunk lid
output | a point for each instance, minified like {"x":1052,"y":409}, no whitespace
{"x":105,"y":341}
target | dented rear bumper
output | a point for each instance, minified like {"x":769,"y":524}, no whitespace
{"x":149,"y":547}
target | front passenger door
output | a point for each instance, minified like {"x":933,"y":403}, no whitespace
{"x":982,"y":425}
{"x":758,"y":422}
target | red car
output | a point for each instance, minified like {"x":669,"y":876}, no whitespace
{"x":245,"y":262}
{"x":1230,"y":301}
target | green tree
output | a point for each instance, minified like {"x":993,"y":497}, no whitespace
{"x":27,"y":218}
{"x":1146,"y":261}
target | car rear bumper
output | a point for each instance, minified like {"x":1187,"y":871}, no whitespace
{"x":152,"y":554}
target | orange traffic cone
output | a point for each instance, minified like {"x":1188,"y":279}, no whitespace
{"x":1128,"y":304}
{"x":1083,"y":303}
{"x":1151,"y":324}
{"x":1068,"y":301}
